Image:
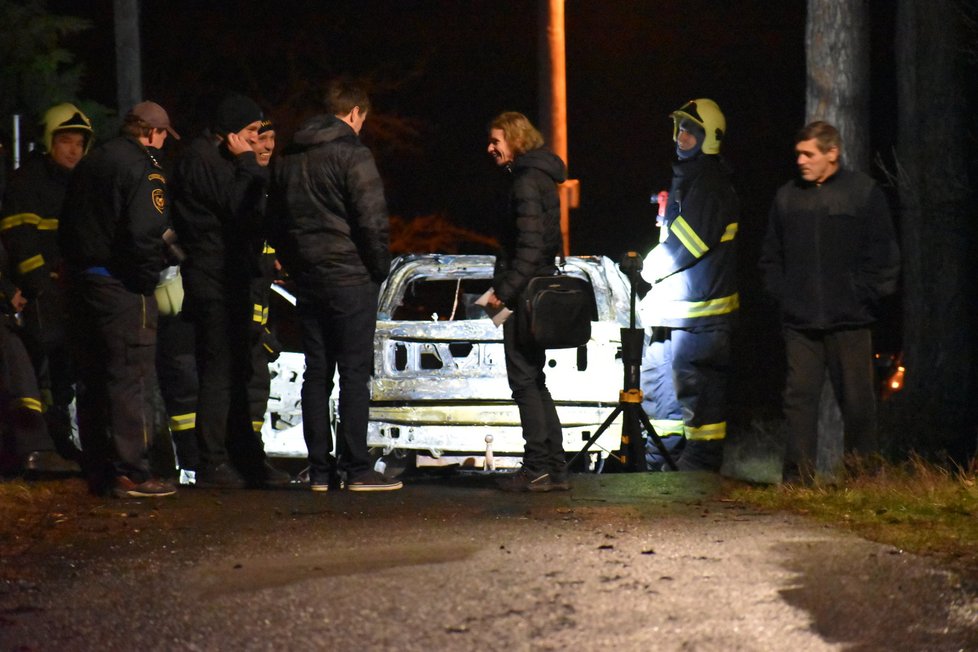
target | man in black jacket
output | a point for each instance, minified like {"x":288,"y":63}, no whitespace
{"x":111,"y":234}
{"x":529,"y":242}
{"x":829,"y":256}
{"x":219,"y":188}
{"x":330,"y":231}
{"x":689,"y":311}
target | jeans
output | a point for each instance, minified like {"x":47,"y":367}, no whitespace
{"x":338,"y":324}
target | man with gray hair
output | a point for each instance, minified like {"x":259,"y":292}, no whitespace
{"x":829,"y":256}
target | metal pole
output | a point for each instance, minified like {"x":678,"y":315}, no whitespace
{"x":16,"y":143}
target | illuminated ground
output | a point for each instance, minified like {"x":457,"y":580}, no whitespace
{"x":627,"y":562}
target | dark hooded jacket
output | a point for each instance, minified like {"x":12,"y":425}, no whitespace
{"x":830,"y":252}
{"x":327,"y":211}
{"x":529,"y":235}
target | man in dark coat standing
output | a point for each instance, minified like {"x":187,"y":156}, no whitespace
{"x":829,"y":256}
{"x":111,"y":234}
{"x":219,"y":189}
{"x":330,"y":230}
{"x":529,"y":241}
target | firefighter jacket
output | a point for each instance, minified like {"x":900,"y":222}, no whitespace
{"x":115,"y":214}
{"x":29,"y":226}
{"x":529,"y":235}
{"x":216,"y":200}
{"x":693,"y":268}
{"x":830,"y":251}
{"x":327,"y":207}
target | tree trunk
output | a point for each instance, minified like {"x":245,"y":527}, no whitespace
{"x":837,"y":55}
{"x":938,"y":230}
{"x":128,"y":57}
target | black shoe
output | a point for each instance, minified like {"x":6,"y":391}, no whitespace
{"x":373,"y":481}
{"x":527,"y":480}
{"x":49,"y":463}
{"x":222,"y":476}
{"x":701,"y":456}
{"x":270,"y":476}
{"x":152,"y":488}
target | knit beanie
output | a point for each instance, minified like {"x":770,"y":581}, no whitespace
{"x":234,"y":113}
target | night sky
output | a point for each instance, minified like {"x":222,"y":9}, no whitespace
{"x":442,"y":70}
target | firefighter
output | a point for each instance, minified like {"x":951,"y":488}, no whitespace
{"x":29,"y":229}
{"x":25,"y":446}
{"x":689,"y":309}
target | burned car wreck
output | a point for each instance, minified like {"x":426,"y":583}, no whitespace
{"x":439,"y":393}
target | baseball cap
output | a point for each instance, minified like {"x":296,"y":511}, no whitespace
{"x":154,"y":115}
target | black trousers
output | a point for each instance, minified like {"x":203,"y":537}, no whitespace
{"x":338,"y":324}
{"x":176,"y":367}
{"x":45,"y":335}
{"x":847,"y":356}
{"x":113,"y":339}
{"x":24,"y":429}
{"x":543,"y":448}
{"x":222,"y":328}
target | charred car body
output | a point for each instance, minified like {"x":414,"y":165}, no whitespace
{"x":439,"y":393}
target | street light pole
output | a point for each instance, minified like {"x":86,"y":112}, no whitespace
{"x":553,"y":102}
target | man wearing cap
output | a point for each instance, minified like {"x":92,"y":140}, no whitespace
{"x":29,"y":230}
{"x":218,"y":189}
{"x":689,"y":310}
{"x":111,"y":234}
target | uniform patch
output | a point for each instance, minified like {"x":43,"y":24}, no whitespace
{"x":157,"y":177}
{"x":159,"y":201}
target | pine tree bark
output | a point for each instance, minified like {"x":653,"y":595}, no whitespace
{"x":837,"y":56}
{"x":938,"y":229}
{"x":837,"y":91}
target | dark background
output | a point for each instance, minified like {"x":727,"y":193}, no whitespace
{"x":442,"y":70}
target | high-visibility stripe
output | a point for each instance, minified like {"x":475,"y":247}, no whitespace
{"x":693,"y":309}
{"x":268,"y":249}
{"x":708,"y":432}
{"x":28,"y":403}
{"x":730,"y":233}
{"x":48,"y":225}
{"x":183,"y":422}
{"x":260,"y":314}
{"x":29,"y":265}
{"x":667,"y":427}
{"x":688,"y":237}
{"x":20,"y":219}
{"x":256,"y":425}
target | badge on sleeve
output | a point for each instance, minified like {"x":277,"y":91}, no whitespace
{"x":159,"y":201}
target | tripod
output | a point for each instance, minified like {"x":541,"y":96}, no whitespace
{"x":630,"y":397}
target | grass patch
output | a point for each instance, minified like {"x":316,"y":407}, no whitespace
{"x":915,"y":506}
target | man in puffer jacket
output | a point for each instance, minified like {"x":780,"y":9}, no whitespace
{"x":329,"y":227}
{"x":530,"y":239}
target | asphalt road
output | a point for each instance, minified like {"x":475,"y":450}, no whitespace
{"x":624,"y":562}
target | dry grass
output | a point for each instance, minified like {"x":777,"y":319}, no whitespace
{"x":916,"y":506}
